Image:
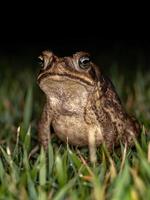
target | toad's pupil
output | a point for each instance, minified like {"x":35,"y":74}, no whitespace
{"x":84,"y":61}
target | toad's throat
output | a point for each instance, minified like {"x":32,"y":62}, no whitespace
{"x":80,"y":78}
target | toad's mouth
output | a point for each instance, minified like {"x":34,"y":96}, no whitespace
{"x":60,"y":77}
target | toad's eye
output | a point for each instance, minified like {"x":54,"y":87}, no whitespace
{"x":40,"y":61}
{"x":84,"y":62}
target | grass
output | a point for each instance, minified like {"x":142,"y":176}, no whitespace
{"x":64,"y":172}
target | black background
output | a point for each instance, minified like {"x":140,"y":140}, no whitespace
{"x":28,"y":31}
{"x":127,"y":52}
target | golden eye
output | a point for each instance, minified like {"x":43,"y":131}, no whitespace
{"x":84,"y":62}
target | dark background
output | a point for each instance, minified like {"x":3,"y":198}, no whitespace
{"x":111,"y":34}
{"x":127,"y":53}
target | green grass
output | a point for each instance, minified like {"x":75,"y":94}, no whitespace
{"x":65,"y":171}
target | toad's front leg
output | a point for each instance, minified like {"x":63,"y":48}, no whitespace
{"x":44,"y":126}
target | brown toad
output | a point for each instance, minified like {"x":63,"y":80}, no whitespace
{"x":81,"y":105}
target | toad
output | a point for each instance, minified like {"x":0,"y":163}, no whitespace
{"x":82,"y":104}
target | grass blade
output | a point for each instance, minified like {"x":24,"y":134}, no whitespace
{"x":60,"y":195}
{"x":27,"y":109}
{"x":50,"y":159}
{"x":2,"y":171}
{"x":61,"y":172}
{"x":31,"y":188}
{"x":42,"y":171}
